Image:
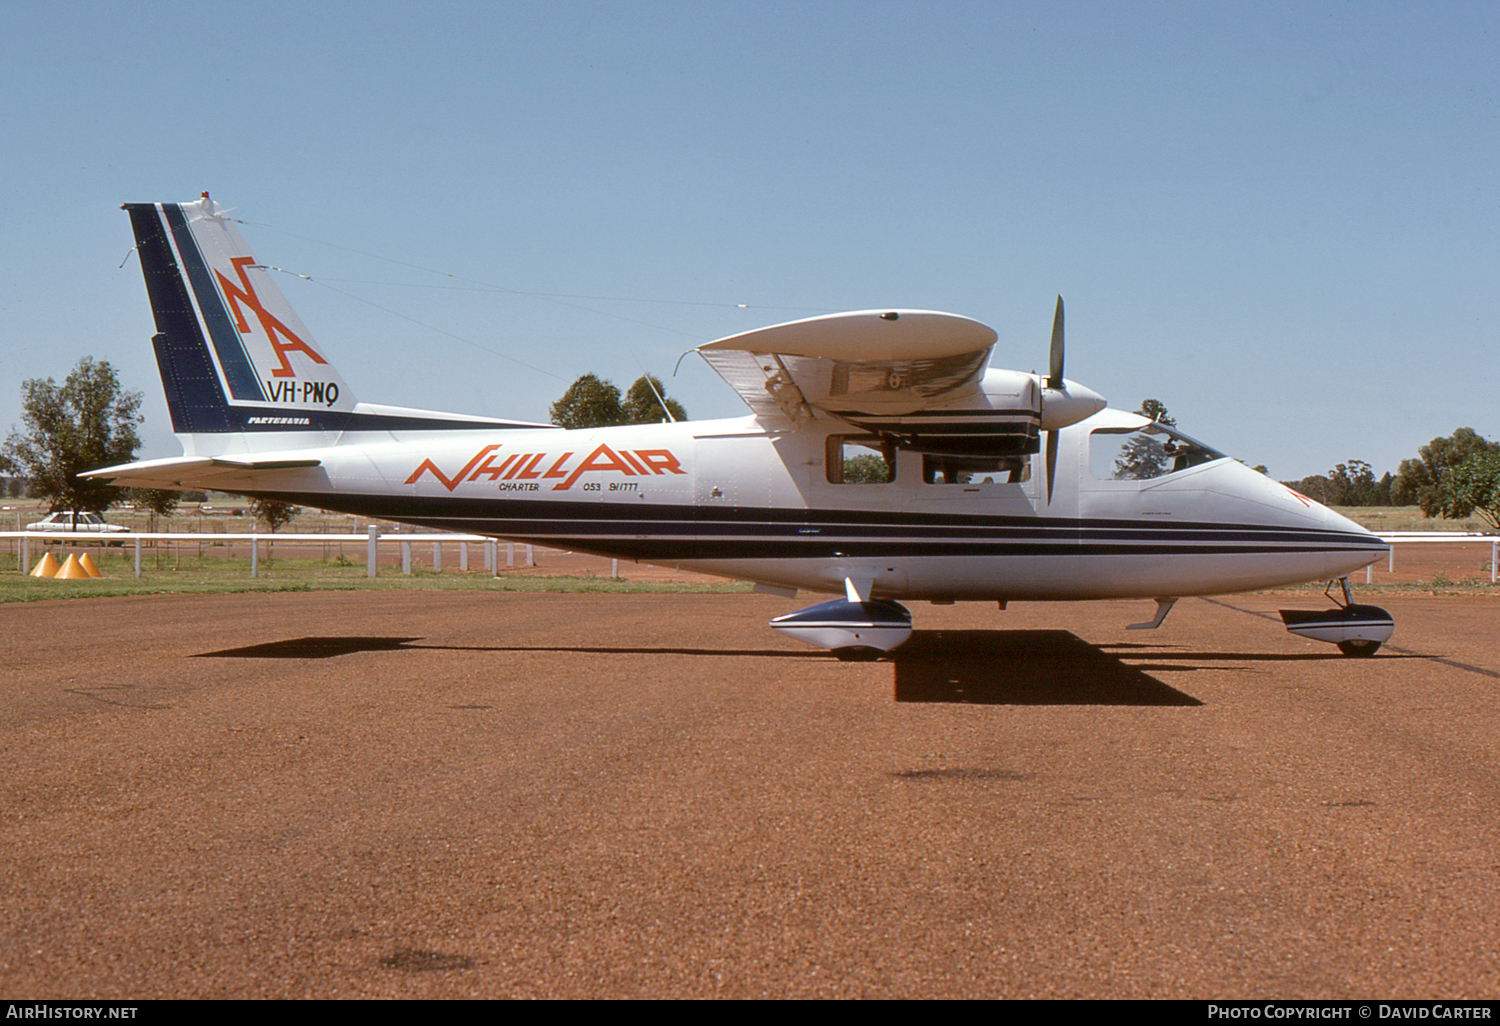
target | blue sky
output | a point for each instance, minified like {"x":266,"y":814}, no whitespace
{"x":1281,"y":220}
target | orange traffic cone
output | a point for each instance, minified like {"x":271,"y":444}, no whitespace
{"x":71,"y":570}
{"x":46,"y":566}
{"x":88,"y":566}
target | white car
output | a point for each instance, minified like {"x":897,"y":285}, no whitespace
{"x":75,"y":522}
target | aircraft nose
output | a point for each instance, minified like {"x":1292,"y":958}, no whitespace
{"x":1371,"y":545}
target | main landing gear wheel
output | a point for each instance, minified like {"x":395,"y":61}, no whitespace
{"x":1359,"y":649}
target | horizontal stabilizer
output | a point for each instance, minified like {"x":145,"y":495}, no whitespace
{"x":224,"y":473}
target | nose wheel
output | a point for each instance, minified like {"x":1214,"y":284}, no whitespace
{"x":1357,"y":630}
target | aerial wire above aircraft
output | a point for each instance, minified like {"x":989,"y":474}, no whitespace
{"x":882,"y":461}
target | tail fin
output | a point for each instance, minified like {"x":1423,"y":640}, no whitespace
{"x":233,"y":356}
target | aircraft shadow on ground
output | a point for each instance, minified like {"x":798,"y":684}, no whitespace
{"x":1021,"y":668}
{"x":977,"y":667}
{"x":325,"y":648}
{"x":310,"y":648}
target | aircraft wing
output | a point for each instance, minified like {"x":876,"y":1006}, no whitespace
{"x":885,"y":363}
{"x":223,"y":473}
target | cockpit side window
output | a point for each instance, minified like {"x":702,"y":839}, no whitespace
{"x":1141,"y":454}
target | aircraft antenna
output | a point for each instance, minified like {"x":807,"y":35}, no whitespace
{"x":652,"y":385}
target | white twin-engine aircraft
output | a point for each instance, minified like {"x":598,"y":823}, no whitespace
{"x":881,"y":461}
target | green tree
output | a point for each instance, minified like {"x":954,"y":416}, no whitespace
{"x":1383,"y":490}
{"x":642,"y":406}
{"x":161,"y":503}
{"x":866,"y":469}
{"x":272,"y":513}
{"x":593,"y":402}
{"x":589,"y":402}
{"x":1470,"y":487}
{"x":1156,"y":410}
{"x":85,"y":423}
{"x":1352,"y":484}
{"x":1348,"y":484}
{"x":1420,"y":481}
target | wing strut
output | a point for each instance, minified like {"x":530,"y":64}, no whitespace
{"x":858,"y":590}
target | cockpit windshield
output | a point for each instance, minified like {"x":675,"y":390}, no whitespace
{"x":1142,"y":453}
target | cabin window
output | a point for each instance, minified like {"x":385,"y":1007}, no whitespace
{"x":860,"y":459}
{"x":1140,"y":454}
{"x":975,"y":469}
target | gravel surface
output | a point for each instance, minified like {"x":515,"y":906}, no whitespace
{"x":405,"y":794}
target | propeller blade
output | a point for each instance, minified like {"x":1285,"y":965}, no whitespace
{"x":1051,"y":463}
{"x":1055,"y":370}
{"x":1054,"y":381}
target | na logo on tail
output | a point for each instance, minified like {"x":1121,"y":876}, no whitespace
{"x":270,"y":325}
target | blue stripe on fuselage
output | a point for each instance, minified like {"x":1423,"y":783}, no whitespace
{"x":684,"y":532}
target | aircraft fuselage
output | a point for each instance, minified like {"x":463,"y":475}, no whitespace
{"x":738,"y":499}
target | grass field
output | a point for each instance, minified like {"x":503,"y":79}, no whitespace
{"x":1407,"y":518}
{"x":219,"y":575}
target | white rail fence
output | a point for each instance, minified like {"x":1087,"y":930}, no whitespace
{"x":1398,"y":538}
{"x":373,"y":538}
